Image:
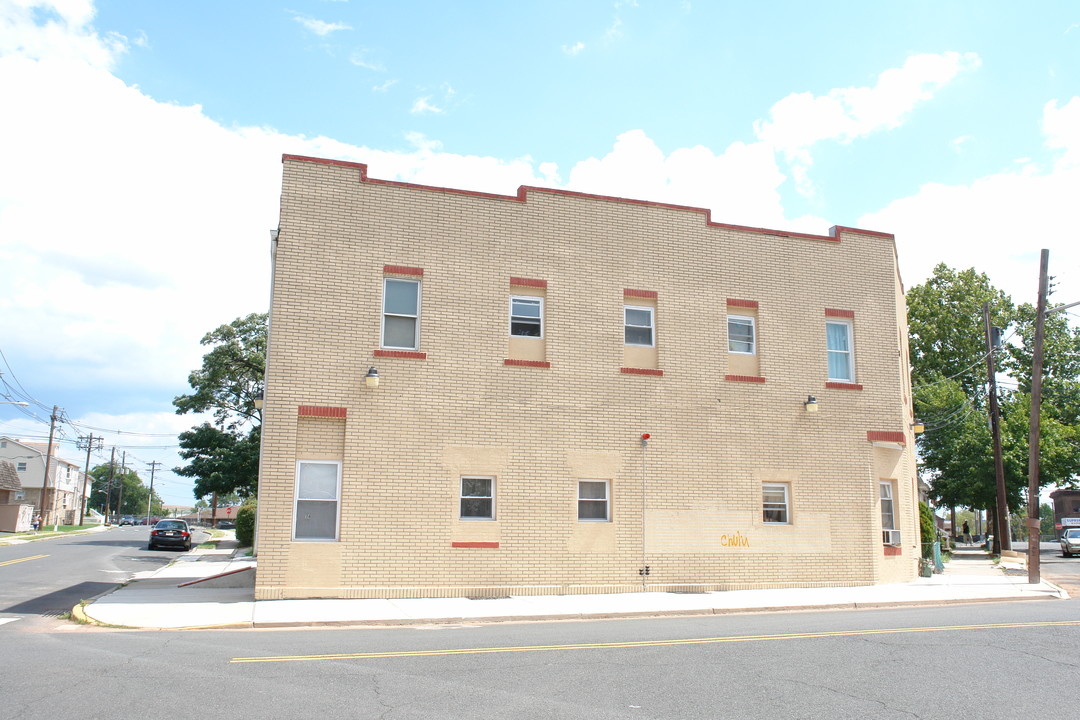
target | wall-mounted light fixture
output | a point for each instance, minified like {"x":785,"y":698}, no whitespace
{"x":372,"y":378}
{"x":259,"y":401}
{"x":918,"y":427}
{"x":811,"y":404}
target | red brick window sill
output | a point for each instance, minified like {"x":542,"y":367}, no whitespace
{"x":407,"y":354}
{"x":320,"y":412}
{"x":527,"y":363}
{"x":403,"y":270}
{"x":493,"y":545}
{"x":892,"y":551}
{"x":843,"y":386}
{"x":744,"y":378}
{"x":641,"y":371}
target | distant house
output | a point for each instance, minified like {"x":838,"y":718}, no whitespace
{"x":66,"y":483}
{"x":14,"y":516}
{"x":577,"y":394}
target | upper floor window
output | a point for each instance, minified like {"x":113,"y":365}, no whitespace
{"x":839,"y":346}
{"x":401,"y":314}
{"x":21,"y":467}
{"x":526,"y":316}
{"x":638,"y":325}
{"x":740,"y":332}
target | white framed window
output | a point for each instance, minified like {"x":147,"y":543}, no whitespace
{"x":741,"y":335}
{"x":839,"y":347}
{"x":318,"y":500}
{"x":526,"y":316}
{"x":477,"y":498}
{"x":401,"y":314}
{"x":21,"y":467}
{"x":775,"y":503}
{"x":638,"y":326}
{"x":594,"y":501}
{"x":888,"y":518}
{"x":20,"y":495}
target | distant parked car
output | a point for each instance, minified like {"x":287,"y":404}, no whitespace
{"x":170,"y":533}
{"x":127,"y":520}
{"x":226,"y":525}
{"x":1070,"y":542}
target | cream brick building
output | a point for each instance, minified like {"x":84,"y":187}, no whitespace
{"x":525,"y":345}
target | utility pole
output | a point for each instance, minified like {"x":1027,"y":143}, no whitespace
{"x":91,"y":443}
{"x":150,"y":497}
{"x":108,"y":485}
{"x":123,"y":474}
{"x":1033,"y":521}
{"x":48,"y":467}
{"x":1002,"y":540}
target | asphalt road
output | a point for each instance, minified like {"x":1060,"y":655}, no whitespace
{"x":985,"y":660}
{"x":47,"y":578}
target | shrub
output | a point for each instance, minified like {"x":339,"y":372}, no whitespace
{"x":927,"y":528}
{"x":245,"y":525}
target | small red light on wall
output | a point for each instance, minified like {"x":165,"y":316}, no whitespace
{"x":645,"y":436}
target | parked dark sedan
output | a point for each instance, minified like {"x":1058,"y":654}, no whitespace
{"x":170,"y":533}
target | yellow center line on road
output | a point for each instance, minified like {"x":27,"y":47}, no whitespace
{"x":647,"y":643}
{"x":19,"y":560}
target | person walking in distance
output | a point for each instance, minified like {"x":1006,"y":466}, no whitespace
{"x":967,"y":533}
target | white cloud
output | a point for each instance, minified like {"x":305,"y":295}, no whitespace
{"x":359,"y":59}
{"x":740,"y":185}
{"x":574,"y":49}
{"x":800,"y":120}
{"x":320,"y":27}
{"x":998,"y":223}
{"x":383,"y":87}
{"x":423,"y":105}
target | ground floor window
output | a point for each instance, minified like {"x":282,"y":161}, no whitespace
{"x":889,"y":534}
{"x":318,"y":494}
{"x":594,"y":500}
{"x":774,"y":503}
{"x":477,"y":498}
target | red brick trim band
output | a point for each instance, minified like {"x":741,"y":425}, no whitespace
{"x":524,"y":190}
{"x":322,"y":412}
{"x":833,"y":312}
{"x":843,"y":386}
{"x":630,"y":292}
{"x":402,"y":270}
{"x":885,"y":436}
{"x":641,"y":371}
{"x":732,"y":302}
{"x":494,"y":545}
{"x":527,"y":282}
{"x":527,"y":363}
{"x":744,"y":378}
{"x":892,"y":550}
{"x":407,"y":354}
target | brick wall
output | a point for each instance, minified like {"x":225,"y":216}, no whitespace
{"x":689,"y":505}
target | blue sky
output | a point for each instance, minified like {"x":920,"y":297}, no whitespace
{"x":141,"y":148}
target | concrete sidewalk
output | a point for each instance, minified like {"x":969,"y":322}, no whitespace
{"x":176,"y":597}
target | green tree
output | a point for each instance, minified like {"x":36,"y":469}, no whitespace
{"x":231,"y":375}
{"x":221,"y":462}
{"x":224,"y":457}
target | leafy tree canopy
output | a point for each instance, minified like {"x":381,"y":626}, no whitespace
{"x":132,"y":501}
{"x":231,"y":375}
{"x":225,"y":458}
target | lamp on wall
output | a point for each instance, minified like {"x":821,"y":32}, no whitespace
{"x":811,"y":404}
{"x":918,"y":427}
{"x":372,"y":378}
{"x":259,"y":400}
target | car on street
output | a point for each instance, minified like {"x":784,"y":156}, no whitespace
{"x":127,"y":520}
{"x":1070,"y":542}
{"x":170,"y":533}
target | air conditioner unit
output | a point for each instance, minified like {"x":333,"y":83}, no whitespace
{"x":890,"y":537}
